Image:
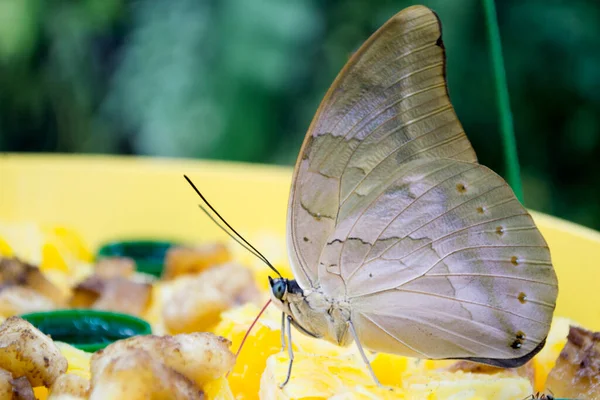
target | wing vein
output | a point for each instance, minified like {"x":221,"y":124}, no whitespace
{"x":393,"y":336}
{"x":517,"y":278}
{"x":455,"y":232}
{"x":405,"y":208}
{"x":429,"y":221}
{"x":472,"y":303}
{"x":362,"y":263}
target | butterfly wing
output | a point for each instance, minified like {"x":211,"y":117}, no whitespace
{"x":449,"y":265}
{"x":387,"y":106}
{"x":390,"y":211}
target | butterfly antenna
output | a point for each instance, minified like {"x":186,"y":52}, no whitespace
{"x":250,"y":329}
{"x":230,"y":234}
{"x":235,"y":235}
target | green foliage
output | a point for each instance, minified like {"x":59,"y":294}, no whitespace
{"x":241,"y":80}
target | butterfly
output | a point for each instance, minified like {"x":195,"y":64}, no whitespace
{"x":398,"y":239}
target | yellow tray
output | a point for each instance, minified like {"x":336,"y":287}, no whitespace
{"x":106,"y":198}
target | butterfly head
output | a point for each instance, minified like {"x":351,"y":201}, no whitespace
{"x":280,"y":293}
{"x":278,"y":287}
{"x":285,"y":292}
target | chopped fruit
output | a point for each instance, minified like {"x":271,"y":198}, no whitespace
{"x":263,"y":341}
{"x":182,"y":260}
{"x":544,"y":361}
{"x":195,"y":303}
{"x":25,"y":351}
{"x":577,"y":370}
{"x":113,"y":267}
{"x":525,"y":371}
{"x":218,"y":389}
{"x":14,"y":272}
{"x":112,"y":294}
{"x":69,"y":241}
{"x":322,"y":377}
{"x":79,"y":360}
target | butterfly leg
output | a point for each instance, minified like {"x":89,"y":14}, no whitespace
{"x":282,"y":331}
{"x":290,"y":351}
{"x":364,"y":357}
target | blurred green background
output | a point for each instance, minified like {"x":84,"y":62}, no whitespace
{"x":241,"y":80}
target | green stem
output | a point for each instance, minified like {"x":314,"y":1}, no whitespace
{"x":502,"y":97}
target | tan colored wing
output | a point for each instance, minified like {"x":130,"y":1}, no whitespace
{"x":442,"y":261}
{"x":389,"y":105}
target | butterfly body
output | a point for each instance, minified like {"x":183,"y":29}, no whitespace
{"x":313,"y":313}
{"x":397,"y":237}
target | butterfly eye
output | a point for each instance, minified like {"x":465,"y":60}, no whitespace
{"x":279,"y":289}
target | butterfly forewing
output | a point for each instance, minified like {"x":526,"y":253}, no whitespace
{"x":390,"y":211}
{"x":387,"y":106}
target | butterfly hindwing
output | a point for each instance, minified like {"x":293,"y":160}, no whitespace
{"x":449,"y":265}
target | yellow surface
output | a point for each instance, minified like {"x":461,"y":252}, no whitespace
{"x":103,"y":198}
{"x":106,"y":198}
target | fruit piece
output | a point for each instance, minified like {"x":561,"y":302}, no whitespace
{"x":21,"y":389}
{"x":5,"y":249}
{"x":577,"y":370}
{"x":465,"y":385}
{"x":17,"y":300}
{"x":263,"y":341}
{"x":525,"y":371}
{"x":325,"y":377}
{"x":69,"y":385}
{"x":25,"y":351}
{"x":544,"y":361}
{"x":5,"y":385}
{"x":195,"y":303}
{"x":200,"y":357}
{"x":112,"y":267}
{"x":70,"y":241}
{"x":182,"y":260}
{"x":25,"y":239}
{"x":53,"y":259}
{"x":79,"y":360}
{"x":316,"y":376}
{"x":218,"y":389}
{"x":115,"y":294}
{"x":137,"y":375}
{"x":15,"y":272}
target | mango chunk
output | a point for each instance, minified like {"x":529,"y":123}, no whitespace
{"x":79,"y":360}
{"x":545,"y":360}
